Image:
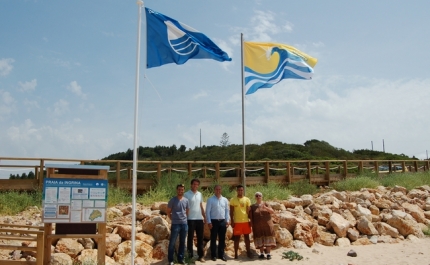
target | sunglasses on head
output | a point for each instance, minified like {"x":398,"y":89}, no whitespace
{"x":257,"y":195}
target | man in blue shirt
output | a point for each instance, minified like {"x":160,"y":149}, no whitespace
{"x":177,"y":211}
{"x":218,"y":219}
{"x":196,"y":219}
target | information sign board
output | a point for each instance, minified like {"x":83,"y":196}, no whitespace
{"x":74,"y":200}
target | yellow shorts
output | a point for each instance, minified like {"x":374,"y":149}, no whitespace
{"x":241,"y":229}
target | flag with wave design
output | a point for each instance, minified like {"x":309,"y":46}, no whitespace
{"x":268,"y":63}
{"x":170,"y":41}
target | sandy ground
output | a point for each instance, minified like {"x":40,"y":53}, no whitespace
{"x":403,"y":253}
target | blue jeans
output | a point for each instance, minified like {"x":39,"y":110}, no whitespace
{"x":175,"y":230}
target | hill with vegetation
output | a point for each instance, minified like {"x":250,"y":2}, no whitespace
{"x":273,"y":150}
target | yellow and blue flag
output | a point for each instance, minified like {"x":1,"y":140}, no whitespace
{"x":268,"y":63}
{"x":170,"y":41}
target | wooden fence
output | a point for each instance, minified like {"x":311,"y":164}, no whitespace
{"x":20,"y":234}
{"x":319,"y":172}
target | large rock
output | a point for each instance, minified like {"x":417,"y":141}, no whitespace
{"x":292,"y":202}
{"x":405,"y":226}
{"x":325,"y":199}
{"x":366,"y":227}
{"x":60,"y":259}
{"x":288,"y":220}
{"x":70,"y":246}
{"x":143,"y":214}
{"x":362,"y":241}
{"x":112,"y":213}
{"x":161,"y":206}
{"x":326,"y":239}
{"x":304,"y":233}
{"x":343,"y":242}
{"x":307,"y":199}
{"x":124,"y":231}
{"x":283,"y":236}
{"x":277,"y":206}
{"x":362,"y":211}
{"x":157,"y":227}
{"x":416,"y":212}
{"x":386,"y":229}
{"x":383,"y":203}
{"x":112,"y":242}
{"x":123,"y":254}
{"x":353,"y":234}
{"x":89,"y":256}
{"x":416,"y":193}
{"x":341,"y":196}
{"x":148,"y":239}
{"x":339,"y":224}
{"x":160,"y":250}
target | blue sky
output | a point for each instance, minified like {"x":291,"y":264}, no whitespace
{"x":67,"y":77}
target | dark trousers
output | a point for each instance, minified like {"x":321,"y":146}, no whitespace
{"x":197,"y":226}
{"x":218,"y":230}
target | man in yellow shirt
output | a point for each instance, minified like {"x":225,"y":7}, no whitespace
{"x":239,"y":210}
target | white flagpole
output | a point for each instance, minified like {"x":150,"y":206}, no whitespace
{"x":136,"y":107}
{"x":243,"y":114}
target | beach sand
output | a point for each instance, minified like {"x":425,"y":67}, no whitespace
{"x":407,"y":252}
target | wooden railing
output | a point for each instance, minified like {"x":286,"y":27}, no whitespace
{"x":22,"y":233}
{"x":320,"y":172}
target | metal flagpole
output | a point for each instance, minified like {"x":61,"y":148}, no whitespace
{"x":243,"y":116}
{"x":136,"y":107}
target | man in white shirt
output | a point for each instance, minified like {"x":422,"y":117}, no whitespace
{"x":196,"y":219}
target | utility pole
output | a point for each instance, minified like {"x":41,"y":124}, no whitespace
{"x":371,"y":142}
{"x":383,"y":145}
{"x":200,"y":138}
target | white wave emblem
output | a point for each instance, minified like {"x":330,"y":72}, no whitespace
{"x":179,"y":41}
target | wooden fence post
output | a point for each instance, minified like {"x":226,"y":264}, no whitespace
{"x":159,"y":171}
{"x":288,"y":165}
{"x":190,"y":169}
{"x":118,"y":173}
{"x":308,"y":166}
{"x":42,"y":162}
{"x":327,"y":171}
{"x":217,"y":173}
{"x":345,"y":169}
{"x":267,"y":172}
{"x":360,"y":167}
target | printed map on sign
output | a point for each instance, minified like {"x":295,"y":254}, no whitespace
{"x":74,"y":200}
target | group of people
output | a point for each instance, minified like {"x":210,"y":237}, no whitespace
{"x":188,"y":216}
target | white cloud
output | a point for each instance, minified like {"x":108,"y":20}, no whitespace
{"x":6,"y":104}
{"x":201,"y":94}
{"x":6,"y":66}
{"x":31,"y":104}
{"x":27,"y":86}
{"x":76,"y":89}
{"x":265,"y":24}
{"x":61,"y":107}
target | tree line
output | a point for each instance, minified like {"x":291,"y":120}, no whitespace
{"x":273,"y":150}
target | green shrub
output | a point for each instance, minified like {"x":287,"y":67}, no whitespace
{"x":13,"y":202}
{"x":407,"y":180}
{"x":302,"y":187}
{"x":270,"y":191}
{"x":355,"y":184}
{"x":118,"y":195}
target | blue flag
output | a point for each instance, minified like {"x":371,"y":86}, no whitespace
{"x":170,"y":41}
